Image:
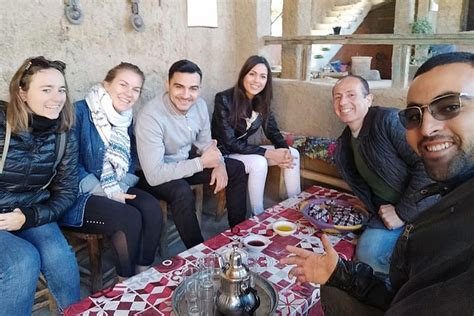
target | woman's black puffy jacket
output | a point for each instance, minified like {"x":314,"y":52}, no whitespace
{"x":29,"y":168}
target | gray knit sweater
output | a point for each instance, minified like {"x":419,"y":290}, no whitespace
{"x":165,"y":137}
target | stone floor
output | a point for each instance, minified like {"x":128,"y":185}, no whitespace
{"x":210,"y":227}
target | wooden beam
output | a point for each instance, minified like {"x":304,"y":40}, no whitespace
{"x":374,"y":39}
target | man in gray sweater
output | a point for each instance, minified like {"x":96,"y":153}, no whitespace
{"x":175,"y":150}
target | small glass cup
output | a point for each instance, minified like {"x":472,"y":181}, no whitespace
{"x":191,"y":290}
{"x":206,"y":297}
{"x":209,"y":269}
{"x":209,"y":283}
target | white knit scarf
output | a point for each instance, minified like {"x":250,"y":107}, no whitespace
{"x":112,"y":127}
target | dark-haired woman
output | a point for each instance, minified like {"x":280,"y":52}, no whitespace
{"x":238,"y":113}
{"x":38,"y":183}
{"x":108,"y":201}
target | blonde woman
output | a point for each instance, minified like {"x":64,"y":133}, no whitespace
{"x":38,"y":183}
{"x":108,"y":201}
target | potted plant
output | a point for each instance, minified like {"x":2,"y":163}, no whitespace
{"x":421,"y":26}
{"x":337,"y":28}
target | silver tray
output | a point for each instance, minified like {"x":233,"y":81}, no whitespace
{"x":265,"y":290}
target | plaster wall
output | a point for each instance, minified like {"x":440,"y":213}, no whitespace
{"x":105,"y":38}
{"x":305,"y":108}
{"x":39,"y":27}
{"x":449,"y":16}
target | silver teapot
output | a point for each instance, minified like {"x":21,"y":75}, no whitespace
{"x":236,"y":296}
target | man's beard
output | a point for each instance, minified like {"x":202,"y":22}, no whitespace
{"x":458,"y":169}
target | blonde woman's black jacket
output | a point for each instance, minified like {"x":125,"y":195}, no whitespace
{"x":432,"y":266}
{"x":29,"y":168}
{"x":232,"y":140}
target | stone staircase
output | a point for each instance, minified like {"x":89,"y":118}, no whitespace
{"x":348,"y":17}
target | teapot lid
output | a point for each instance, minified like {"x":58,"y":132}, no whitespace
{"x":236,"y":269}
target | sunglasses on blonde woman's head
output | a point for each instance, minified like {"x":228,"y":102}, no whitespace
{"x":42,"y":63}
{"x":442,"y":108}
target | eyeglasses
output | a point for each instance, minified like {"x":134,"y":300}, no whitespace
{"x":441,"y":108}
{"x":41,"y":63}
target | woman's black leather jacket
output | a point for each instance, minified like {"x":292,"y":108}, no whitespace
{"x":232,"y":140}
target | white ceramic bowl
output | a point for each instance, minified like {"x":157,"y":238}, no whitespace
{"x":256,"y":242}
{"x":284,"y":228}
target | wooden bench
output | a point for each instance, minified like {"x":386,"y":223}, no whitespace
{"x":43,"y":297}
{"x":89,"y":250}
{"x":316,"y":159}
{"x":89,"y":247}
{"x":322,"y":172}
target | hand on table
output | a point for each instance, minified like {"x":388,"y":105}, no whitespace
{"x":12,"y":221}
{"x":311,"y":266}
{"x":390,"y":217}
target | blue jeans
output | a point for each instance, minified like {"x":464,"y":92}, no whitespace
{"x":375,"y":247}
{"x":24,"y":255}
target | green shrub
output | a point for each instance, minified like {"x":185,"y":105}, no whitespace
{"x":421,"y":26}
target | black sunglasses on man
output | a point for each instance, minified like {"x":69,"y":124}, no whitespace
{"x":442,"y":108}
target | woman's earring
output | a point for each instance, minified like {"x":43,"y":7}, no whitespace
{"x":22,"y":95}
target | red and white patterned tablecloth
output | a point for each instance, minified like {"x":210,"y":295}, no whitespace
{"x":150,"y":292}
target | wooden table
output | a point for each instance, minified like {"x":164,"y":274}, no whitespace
{"x":150,"y":292}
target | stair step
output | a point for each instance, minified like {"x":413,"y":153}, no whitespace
{"x":338,"y":20}
{"x":321,"y":32}
{"x":329,"y":26}
{"x":343,"y":7}
{"x":330,"y":19}
{"x":348,"y":6}
{"x":348,"y":17}
{"x":346,"y":12}
{"x":324,"y":26}
{"x":351,"y":18}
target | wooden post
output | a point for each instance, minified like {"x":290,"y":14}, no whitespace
{"x":400,"y":56}
{"x":305,"y":62}
{"x":296,"y":21}
{"x":404,"y":15}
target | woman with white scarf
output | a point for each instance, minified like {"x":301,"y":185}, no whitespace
{"x":108,"y":202}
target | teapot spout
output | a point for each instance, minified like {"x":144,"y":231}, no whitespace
{"x":250,"y":300}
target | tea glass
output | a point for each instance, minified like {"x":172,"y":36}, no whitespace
{"x":191,"y":290}
{"x":209,"y":282}
{"x":209,"y":269}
